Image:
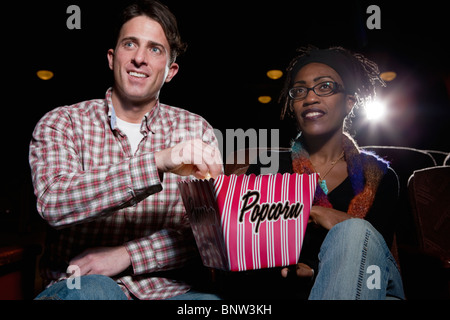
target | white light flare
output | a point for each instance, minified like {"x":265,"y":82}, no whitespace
{"x":375,"y":110}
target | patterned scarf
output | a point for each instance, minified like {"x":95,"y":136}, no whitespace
{"x":365,"y":170}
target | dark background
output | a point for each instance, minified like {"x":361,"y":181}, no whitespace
{"x":231,"y":46}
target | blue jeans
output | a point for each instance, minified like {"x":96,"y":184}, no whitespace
{"x":98,"y":287}
{"x":355,"y":263}
{"x":196,"y":295}
{"x":91,"y":287}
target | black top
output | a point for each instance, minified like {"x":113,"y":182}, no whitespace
{"x":268,"y":283}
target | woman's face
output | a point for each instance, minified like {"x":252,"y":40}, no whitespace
{"x":320,"y":115}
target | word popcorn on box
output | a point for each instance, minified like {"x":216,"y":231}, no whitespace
{"x":249,"y":222}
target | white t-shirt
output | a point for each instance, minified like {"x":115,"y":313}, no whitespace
{"x":132,"y":131}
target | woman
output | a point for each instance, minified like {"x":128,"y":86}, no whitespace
{"x":352,"y":220}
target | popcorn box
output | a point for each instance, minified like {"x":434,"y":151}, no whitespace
{"x":249,"y":222}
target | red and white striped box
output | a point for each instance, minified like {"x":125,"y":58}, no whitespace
{"x":249,"y":222}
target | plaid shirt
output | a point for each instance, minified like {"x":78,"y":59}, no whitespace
{"x":94,"y":192}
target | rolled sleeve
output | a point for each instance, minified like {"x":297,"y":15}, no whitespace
{"x":145,"y":178}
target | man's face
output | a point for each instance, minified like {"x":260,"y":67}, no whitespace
{"x":141,"y":61}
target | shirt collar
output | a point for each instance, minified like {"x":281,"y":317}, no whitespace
{"x":148,"y":120}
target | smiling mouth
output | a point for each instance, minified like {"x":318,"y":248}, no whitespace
{"x":137,"y":74}
{"x":312,"y":114}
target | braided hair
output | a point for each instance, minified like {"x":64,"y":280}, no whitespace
{"x":364,"y":74}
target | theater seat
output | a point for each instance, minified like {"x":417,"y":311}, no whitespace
{"x":404,"y":161}
{"x":447,"y":160}
{"x":426,"y":267}
{"x":17,"y":271}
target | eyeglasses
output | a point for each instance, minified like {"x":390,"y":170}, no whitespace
{"x":323,"y":89}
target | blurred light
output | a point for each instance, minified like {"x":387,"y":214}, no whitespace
{"x":375,"y":110}
{"x":44,"y":74}
{"x":388,"y":76}
{"x":264,"y":99}
{"x":274,"y":74}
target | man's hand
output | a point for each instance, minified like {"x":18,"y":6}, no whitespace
{"x":192,"y":157}
{"x":107,"y":261}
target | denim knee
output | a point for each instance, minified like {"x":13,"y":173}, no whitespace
{"x":347,"y":255}
{"x":98,"y":287}
{"x":354,"y":225}
{"x":88,"y":287}
{"x":357,"y":228}
{"x":348,"y":235}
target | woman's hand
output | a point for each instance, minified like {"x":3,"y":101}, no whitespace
{"x":327,"y":217}
{"x":301,"y":270}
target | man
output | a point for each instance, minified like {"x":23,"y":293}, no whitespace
{"x":105,"y":174}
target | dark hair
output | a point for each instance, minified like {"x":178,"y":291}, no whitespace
{"x":161,"y":14}
{"x":364,"y":74}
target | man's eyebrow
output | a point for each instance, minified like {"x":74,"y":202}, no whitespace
{"x":130,"y":38}
{"x":155,"y":44}
{"x":315,"y":79}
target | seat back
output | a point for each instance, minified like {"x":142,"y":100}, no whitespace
{"x":447,"y":160}
{"x":429,"y":192}
{"x":404,"y":161}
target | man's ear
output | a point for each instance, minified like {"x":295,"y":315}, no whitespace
{"x":173,"y":70}
{"x":110,"y":56}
